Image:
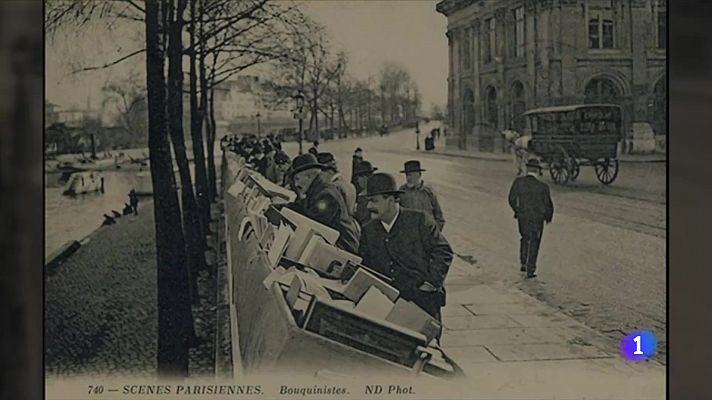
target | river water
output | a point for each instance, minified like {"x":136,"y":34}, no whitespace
{"x":74,"y":217}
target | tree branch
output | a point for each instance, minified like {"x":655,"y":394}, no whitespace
{"x":136,"y":6}
{"x":109,"y":64}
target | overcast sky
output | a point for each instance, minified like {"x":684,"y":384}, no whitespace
{"x":371,"y":32}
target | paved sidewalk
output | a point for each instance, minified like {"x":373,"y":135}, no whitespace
{"x":510,"y":344}
{"x":626,"y":158}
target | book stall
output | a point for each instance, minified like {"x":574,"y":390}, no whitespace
{"x":301,"y":305}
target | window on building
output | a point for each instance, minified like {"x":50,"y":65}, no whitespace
{"x":662,"y":29}
{"x":467,"y":50}
{"x":487,"y":45}
{"x":601,"y":26}
{"x":492,"y":38}
{"x":519,"y":32}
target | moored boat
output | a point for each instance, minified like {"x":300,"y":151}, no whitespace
{"x":84,"y":182}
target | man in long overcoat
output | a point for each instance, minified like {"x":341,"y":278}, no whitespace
{"x":419,"y":196}
{"x":405,"y":245}
{"x":322,"y":201}
{"x":530,"y":200}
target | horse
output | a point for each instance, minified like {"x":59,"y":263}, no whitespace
{"x":519,"y":145}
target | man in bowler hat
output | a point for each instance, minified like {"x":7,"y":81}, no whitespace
{"x":405,"y":245}
{"x":419,"y":196}
{"x":361,"y":173}
{"x":322,"y":201}
{"x":530,"y":200}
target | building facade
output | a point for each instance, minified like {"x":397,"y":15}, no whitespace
{"x":507,"y":56}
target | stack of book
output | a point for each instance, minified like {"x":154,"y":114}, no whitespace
{"x":325,"y":257}
{"x":306,"y":228}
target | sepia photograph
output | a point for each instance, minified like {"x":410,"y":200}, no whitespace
{"x":332,"y":199}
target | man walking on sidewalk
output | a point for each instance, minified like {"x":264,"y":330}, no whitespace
{"x":405,"y":245}
{"x":419,"y":196}
{"x":531,"y":202}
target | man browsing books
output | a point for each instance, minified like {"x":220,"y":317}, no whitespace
{"x":405,"y":245}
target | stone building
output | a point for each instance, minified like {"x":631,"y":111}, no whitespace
{"x":507,"y":56}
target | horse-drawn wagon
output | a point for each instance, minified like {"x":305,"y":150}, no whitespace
{"x":566,"y":138}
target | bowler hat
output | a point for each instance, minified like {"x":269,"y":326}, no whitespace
{"x":304,"y":162}
{"x":326,"y":159}
{"x":534,"y":163}
{"x":364,"y":168}
{"x":381,"y":183}
{"x":412,"y":166}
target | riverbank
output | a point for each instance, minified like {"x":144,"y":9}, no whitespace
{"x":101,"y":305}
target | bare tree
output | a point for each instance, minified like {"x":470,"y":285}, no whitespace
{"x":129,"y":98}
{"x":174,"y":313}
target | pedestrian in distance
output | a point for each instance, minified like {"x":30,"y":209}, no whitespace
{"x":133,"y":201}
{"x":530,"y":199}
{"x":315,"y":148}
{"x":282,"y":165}
{"x":406,"y":246}
{"x":363,"y":171}
{"x":332,"y":175}
{"x":419,"y":196}
{"x":355,"y":160}
{"x":322,"y":201}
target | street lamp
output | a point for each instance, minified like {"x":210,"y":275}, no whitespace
{"x":258,"y":125}
{"x":299,"y":97}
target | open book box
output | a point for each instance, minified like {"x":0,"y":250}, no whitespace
{"x":409,"y":315}
{"x":364,"y":332}
{"x":325,"y":257}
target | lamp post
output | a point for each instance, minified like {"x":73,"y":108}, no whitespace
{"x":259,"y":133}
{"x":299,"y":97}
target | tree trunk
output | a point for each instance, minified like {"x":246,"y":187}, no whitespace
{"x":174,"y":311}
{"x":196,"y":133}
{"x":212,"y":132}
{"x":203,"y":80}
{"x":191,"y":219}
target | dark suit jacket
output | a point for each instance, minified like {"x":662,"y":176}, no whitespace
{"x":413,"y":252}
{"x":324,"y":203}
{"x":531,"y":201}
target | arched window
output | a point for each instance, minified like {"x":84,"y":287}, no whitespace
{"x":519,"y":106}
{"x":468,"y":110}
{"x":658,"y":119}
{"x":492,"y":120}
{"x":602,"y":90}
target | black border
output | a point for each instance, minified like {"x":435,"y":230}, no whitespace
{"x":689,"y":280}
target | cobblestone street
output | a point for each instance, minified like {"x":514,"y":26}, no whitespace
{"x":602,"y":260}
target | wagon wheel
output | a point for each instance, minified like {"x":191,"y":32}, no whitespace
{"x":574,"y":170}
{"x":559,"y":173}
{"x":560,"y":167}
{"x":607,"y":170}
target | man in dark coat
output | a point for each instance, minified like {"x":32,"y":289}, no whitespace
{"x":356,"y":159}
{"x":418,"y":195}
{"x":405,"y":245}
{"x":322,"y":201}
{"x":362,"y":172}
{"x":531,"y":202}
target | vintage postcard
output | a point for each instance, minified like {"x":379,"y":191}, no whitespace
{"x":277,"y":199}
